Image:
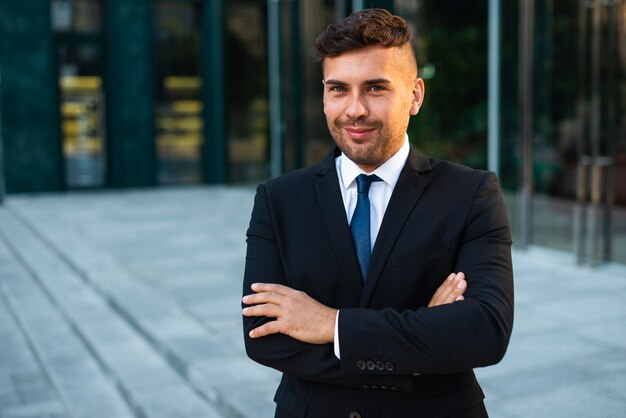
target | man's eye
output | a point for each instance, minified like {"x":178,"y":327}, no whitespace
{"x":377,"y":88}
{"x":338,"y":89}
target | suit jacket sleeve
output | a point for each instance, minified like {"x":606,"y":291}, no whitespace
{"x":454,"y":337}
{"x":302,"y":360}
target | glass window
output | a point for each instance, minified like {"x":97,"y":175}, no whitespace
{"x":178,"y":92}
{"x":616,"y":129}
{"x":451,"y":49}
{"x":246,"y":95}
{"x":78,"y":26}
{"x":315,"y":15}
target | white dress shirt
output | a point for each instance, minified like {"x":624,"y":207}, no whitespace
{"x":379,"y":195}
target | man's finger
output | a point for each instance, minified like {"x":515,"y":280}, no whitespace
{"x":263,"y":297}
{"x":266,"y":309}
{"x":270,"y":287}
{"x":449,"y":291}
{"x":443,"y":287}
{"x":444,"y":291}
{"x":272,"y":327}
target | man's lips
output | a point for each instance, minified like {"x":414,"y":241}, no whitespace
{"x":358,"y":133}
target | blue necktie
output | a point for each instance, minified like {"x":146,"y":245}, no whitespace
{"x":360,"y":224}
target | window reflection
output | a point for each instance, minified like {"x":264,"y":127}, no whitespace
{"x":451,"y":50}
{"x":78,"y":25}
{"x":178,"y":95}
{"x":246,"y":95}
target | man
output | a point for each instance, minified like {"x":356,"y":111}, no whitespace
{"x":342,"y":287}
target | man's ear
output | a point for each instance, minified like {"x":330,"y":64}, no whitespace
{"x":418,"y":95}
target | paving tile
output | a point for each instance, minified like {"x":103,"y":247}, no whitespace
{"x":577,"y":401}
{"x":611,"y":331}
{"x":34,"y":410}
{"x":71,"y":367}
{"x":177,"y":278}
{"x":23,"y":385}
{"x":540,"y":379}
{"x":75,"y":371}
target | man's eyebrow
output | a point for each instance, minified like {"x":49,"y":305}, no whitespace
{"x":377,"y":81}
{"x":366,"y":82}
{"x":335,"y":82}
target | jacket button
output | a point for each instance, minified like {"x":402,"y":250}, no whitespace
{"x":354,"y":414}
{"x":393,"y":388}
{"x":371,"y":365}
{"x":360,"y":365}
{"x":380,"y":365}
{"x":389,"y":366}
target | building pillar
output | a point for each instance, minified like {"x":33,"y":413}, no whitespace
{"x":493,"y":115}
{"x":30,"y":120}
{"x":214,"y":151}
{"x":129,"y":86}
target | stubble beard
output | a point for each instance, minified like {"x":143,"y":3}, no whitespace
{"x":371,"y":152}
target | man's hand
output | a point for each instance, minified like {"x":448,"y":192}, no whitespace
{"x":305,"y":319}
{"x":297,"y":314}
{"x":450,"y":291}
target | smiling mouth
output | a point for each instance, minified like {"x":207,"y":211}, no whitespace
{"x":358,"y":133}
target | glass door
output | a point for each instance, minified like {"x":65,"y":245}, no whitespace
{"x":579,"y":144}
{"x":600,"y":223}
{"x":78,"y":29}
{"x":615,"y":127}
{"x":178,"y":91}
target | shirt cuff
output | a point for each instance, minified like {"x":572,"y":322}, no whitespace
{"x":336,"y":341}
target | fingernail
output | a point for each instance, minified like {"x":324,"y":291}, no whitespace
{"x":460,"y":285}
{"x":244,"y":311}
{"x":254,"y":286}
{"x":451,"y":276}
{"x":244,"y":299}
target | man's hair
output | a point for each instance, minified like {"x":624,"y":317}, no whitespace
{"x":362,"y":29}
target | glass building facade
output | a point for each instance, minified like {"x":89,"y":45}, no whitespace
{"x":112,"y":94}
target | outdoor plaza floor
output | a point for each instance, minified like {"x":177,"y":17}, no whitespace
{"x":127,"y":303}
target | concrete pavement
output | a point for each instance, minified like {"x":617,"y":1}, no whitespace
{"x":117,"y":304}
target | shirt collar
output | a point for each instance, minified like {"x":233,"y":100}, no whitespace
{"x":389,"y":171}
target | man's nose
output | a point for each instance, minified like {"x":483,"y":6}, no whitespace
{"x":356,"y":108}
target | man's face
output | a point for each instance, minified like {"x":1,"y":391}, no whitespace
{"x":369,"y":95}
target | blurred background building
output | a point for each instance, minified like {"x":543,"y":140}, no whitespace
{"x":115,"y":94}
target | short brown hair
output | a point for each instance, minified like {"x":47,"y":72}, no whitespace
{"x":361,"y":29}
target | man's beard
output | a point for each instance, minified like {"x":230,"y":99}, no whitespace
{"x":378,"y":147}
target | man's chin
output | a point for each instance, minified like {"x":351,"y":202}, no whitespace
{"x":363,"y":158}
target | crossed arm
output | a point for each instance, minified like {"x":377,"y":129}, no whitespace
{"x":305,"y":319}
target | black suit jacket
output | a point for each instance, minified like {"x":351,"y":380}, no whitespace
{"x":441,"y":218}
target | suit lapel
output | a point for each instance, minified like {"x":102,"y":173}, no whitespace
{"x":407,"y":192}
{"x":334,"y":215}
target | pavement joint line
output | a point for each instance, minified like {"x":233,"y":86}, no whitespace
{"x":108,"y":371}
{"x":178,"y":363}
{"x":27,"y":341}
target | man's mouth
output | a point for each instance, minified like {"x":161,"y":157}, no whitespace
{"x":358,"y":132}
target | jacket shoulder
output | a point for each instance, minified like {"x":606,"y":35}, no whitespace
{"x":455,"y":173}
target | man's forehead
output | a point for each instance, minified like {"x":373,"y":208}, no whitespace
{"x":374,"y":62}
{"x":361,"y":63}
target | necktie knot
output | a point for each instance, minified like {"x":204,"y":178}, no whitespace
{"x":363,"y":182}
